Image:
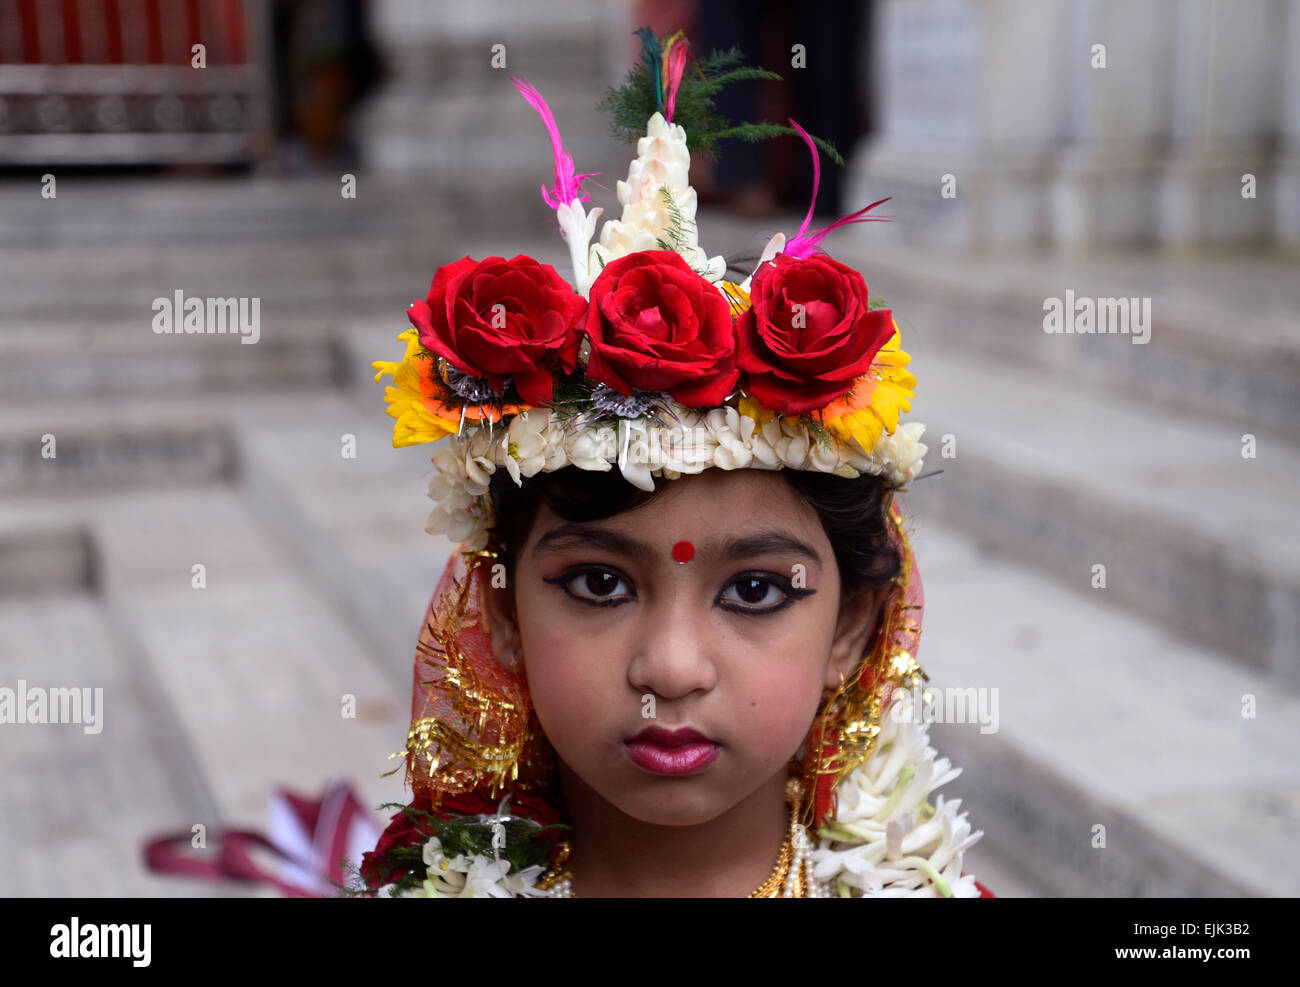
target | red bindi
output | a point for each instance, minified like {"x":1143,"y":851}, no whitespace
{"x":683,"y":551}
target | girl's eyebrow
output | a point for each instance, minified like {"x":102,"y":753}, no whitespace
{"x":736,"y":547}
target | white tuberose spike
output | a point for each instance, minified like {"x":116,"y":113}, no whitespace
{"x":577,"y":226}
{"x":658,"y":204}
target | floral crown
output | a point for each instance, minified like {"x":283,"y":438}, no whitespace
{"x":650,"y":360}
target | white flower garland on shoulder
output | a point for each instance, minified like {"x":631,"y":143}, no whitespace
{"x":887,"y":840}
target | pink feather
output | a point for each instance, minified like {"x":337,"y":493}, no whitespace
{"x":676,"y":68}
{"x":805,"y":243}
{"x":568,"y":186}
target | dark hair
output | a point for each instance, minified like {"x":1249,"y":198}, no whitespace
{"x":853,"y":513}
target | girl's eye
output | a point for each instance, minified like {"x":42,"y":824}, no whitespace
{"x":758,"y":594}
{"x":595,"y":586}
{"x":754,"y":593}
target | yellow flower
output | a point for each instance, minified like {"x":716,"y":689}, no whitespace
{"x":737,"y":297}
{"x":409,"y":399}
{"x":874,"y":403}
{"x":748,"y":406}
{"x":414,"y":398}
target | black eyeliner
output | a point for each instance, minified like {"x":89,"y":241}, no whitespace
{"x":573,"y":572}
{"x":793,"y":594}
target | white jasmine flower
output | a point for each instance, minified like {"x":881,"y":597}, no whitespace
{"x":484,"y":877}
{"x":584,"y":450}
{"x":793,"y":450}
{"x":822,"y":458}
{"x":523,"y":446}
{"x":479,"y":470}
{"x":523,"y":884}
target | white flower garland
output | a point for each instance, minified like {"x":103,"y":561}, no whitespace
{"x":537,"y":441}
{"x":888,"y":842}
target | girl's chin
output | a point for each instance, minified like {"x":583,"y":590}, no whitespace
{"x":660,"y":812}
{"x":673,"y":802}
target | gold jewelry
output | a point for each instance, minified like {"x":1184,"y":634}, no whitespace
{"x":790,"y":878}
{"x":771,"y":888}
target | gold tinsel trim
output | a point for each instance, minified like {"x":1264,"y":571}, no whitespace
{"x":484,"y":740}
{"x":855,"y":709}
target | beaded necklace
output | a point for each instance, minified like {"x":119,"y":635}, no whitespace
{"x":792,"y":877}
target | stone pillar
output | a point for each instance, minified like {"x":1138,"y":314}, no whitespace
{"x":1287,"y":206}
{"x":973,"y":91}
{"x":1230,"y":72}
{"x":449,"y":121}
{"x":1118,"y":64}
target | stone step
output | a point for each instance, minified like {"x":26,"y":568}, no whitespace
{"x":1224,"y":331}
{"x":251,"y":671}
{"x":1058,"y":474}
{"x":93,"y":446}
{"x":303,"y":282}
{"x":117,"y":294}
{"x":255,"y":663}
{"x":240,"y":213}
{"x":125,"y":359}
{"x":45,"y":555}
{"x":80,"y":799}
{"x":354,"y":522}
{"x":1104,"y":719}
{"x":359,"y":516}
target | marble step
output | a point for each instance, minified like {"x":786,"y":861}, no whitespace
{"x":1109,"y":757}
{"x":355,"y":501}
{"x":262,"y":681}
{"x":303,"y":286}
{"x":239,"y":212}
{"x":118,"y":293}
{"x":44,"y":555}
{"x":76,"y":360}
{"x":80,"y":799}
{"x":83,"y":446}
{"x":350,"y":510}
{"x":1070,"y":479}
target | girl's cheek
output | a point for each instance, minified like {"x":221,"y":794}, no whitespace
{"x":781,"y":706}
{"x":562,"y":680}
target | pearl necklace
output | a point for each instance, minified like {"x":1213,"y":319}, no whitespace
{"x":792,"y":875}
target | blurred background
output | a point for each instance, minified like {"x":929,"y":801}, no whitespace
{"x":221,"y":537}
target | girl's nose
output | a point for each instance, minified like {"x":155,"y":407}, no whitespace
{"x":674,"y":653}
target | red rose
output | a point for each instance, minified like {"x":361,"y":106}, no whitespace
{"x":656,"y":325}
{"x":378,"y":869}
{"x":496,"y":317}
{"x":808,"y":333}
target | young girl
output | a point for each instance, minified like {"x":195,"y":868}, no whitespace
{"x":674,"y":653}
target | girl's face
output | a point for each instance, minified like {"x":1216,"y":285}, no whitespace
{"x":625,"y":647}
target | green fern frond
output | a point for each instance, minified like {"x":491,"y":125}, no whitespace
{"x":679,"y":227}
{"x":639,"y":98}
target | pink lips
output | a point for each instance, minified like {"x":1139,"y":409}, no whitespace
{"x":671,"y":752}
